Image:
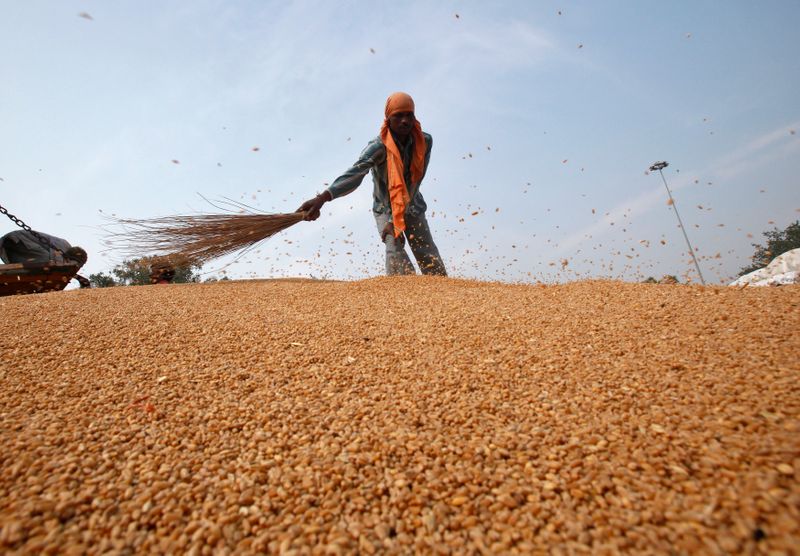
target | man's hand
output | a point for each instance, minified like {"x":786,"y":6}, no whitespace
{"x":388,"y":229}
{"x":313,"y":206}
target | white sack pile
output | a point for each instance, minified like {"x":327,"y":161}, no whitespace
{"x":784,"y":269}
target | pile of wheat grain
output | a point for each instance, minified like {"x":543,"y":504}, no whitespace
{"x":401,"y":415}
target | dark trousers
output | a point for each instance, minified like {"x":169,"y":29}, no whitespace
{"x":422,"y":246}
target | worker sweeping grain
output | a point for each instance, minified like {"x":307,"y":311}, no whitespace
{"x":398,"y":159}
{"x":24,"y":246}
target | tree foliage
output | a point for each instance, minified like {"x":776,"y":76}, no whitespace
{"x":136,"y":272}
{"x":101,"y":280}
{"x":778,"y":243}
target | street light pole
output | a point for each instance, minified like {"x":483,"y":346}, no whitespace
{"x":660,"y":166}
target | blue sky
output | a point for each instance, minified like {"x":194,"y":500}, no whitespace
{"x":545,"y":117}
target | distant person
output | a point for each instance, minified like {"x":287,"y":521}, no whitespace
{"x":22,"y":246}
{"x":161,"y":273}
{"x":398,"y":159}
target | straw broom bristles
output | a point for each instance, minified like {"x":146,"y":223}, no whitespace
{"x":196,"y":239}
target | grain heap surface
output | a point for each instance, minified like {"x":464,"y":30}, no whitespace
{"x":396,"y":415}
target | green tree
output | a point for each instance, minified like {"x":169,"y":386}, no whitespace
{"x":186,"y":275}
{"x":101,"y":280}
{"x":778,"y":243}
{"x":136,"y":272}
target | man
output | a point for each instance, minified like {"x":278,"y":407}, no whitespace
{"x":161,"y":273}
{"x":398,"y":159}
{"x":22,"y":246}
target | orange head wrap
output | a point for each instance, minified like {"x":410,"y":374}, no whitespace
{"x":398,"y":189}
{"x":398,"y":102}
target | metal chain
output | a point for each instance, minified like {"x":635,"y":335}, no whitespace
{"x":39,"y":237}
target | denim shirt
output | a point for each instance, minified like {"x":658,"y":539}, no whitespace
{"x":373,"y":158}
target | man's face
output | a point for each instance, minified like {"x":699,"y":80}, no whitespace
{"x":401,"y":123}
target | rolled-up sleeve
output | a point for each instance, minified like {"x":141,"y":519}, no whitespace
{"x":352,"y":178}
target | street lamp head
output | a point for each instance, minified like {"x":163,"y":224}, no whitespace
{"x":659,"y":166}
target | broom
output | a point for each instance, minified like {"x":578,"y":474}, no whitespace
{"x":183,"y":240}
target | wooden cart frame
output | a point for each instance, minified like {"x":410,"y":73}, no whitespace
{"x":23,"y":278}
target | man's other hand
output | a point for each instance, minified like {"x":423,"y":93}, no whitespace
{"x":313,"y":206}
{"x":388,"y":230}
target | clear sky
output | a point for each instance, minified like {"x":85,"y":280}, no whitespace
{"x":545,"y":117}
